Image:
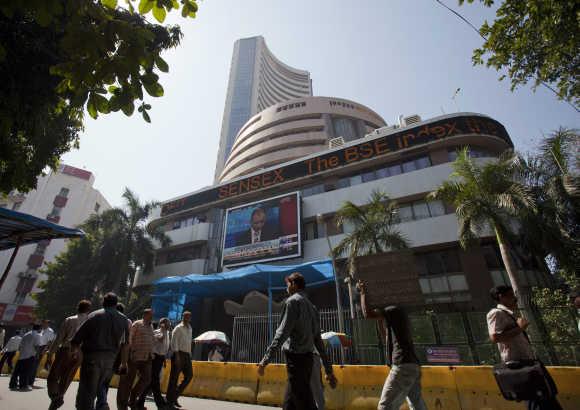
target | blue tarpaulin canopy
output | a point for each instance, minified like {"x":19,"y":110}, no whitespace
{"x":170,"y":293}
{"x":17,"y":228}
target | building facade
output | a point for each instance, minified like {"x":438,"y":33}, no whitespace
{"x":406,"y":161}
{"x":257,"y":80}
{"x":65,"y":197}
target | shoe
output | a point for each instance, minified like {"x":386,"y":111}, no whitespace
{"x":55,"y":404}
{"x":13,"y":388}
{"x":25,"y":388}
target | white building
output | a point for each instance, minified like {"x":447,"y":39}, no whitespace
{"x":65,"y":197}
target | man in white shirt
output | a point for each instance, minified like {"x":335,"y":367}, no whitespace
{"x":28,"y":347}
{"x":9,"y":351}
{"x":181,"y":338}
{"x":47,"y":336}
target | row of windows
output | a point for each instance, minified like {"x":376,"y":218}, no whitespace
{"x":189,"y":221}
{"x":371,"y":174}
{"x":180,"y":255}
{"x":277,"y":83}
{"x":473,"y":153}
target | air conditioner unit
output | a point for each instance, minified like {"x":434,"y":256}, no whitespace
{"x":335,"y":142}
{"x":410,"y":120}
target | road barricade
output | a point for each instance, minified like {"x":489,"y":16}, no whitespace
{"x":272,"y":385}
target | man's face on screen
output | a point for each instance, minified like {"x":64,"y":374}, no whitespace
{"x":258,"y":221}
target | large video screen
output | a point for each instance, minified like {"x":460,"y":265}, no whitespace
{"x":262,"y":231}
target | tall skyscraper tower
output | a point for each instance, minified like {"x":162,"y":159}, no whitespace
{"x":257,"y":80}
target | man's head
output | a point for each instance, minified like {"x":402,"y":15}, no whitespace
{"x":164,"y":323}
{"x":110,"y":300}
{"x":295,"y":283}
{"x":148,"y":315}
{"x":84,"y":306}
{"x":186,"y":317}
{"x":36,"y":327}
{"x":45,"y":323}
{"x":504,"y":295}
{"x":258,"y":219}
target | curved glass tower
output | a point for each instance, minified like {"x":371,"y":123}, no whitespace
{"x":257,"y":81}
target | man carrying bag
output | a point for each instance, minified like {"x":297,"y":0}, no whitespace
{"x":520,"y":376}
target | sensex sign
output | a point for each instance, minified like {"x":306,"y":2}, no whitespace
{"x":370,"y":148}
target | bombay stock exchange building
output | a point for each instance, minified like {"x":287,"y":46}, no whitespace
{"x":257,"y":80}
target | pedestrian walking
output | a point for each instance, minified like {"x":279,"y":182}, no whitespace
{"x":64,"y":366}
{"x":20,"y":378}
{"x":138,"y":377}
{"x":9,"y":351}
{"x":47,"y":336}
{"x":404,"y":379}
{"x":120,"y":363}
{"x":181,"y":338}
{"x":161,"y":343}
{"x":515,"y":348}
{"x":298,"y":335}
{"x":99,"y":338}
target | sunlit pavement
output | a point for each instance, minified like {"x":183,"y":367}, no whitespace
{"x":37,"y":399}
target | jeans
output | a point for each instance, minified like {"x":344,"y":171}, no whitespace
{"x":298,"y":391}
{"x":174,"y":390}
{"x":21,"y":374}
{"x":95,"y":369}
{"x":102,"y":394}
{"x":129,"y":393}
{"x":404,"y":380}
{"x":61,"y":373}
{"x":155,"y":385}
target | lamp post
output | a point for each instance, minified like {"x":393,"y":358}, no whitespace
{"x":320,"y":221}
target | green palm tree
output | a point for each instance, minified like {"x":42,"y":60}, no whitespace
{"x":373,"y":225}
{"x":486,"y":196}
{"x":124,"y":244}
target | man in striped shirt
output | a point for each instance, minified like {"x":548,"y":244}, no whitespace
{"x":139,"y":366}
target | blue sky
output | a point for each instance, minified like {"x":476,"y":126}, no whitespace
{"x":396,"y":57}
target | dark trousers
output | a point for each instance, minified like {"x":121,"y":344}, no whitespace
{"x":7,"y":358}
{"x":298,"y":391}
{"x":129,"y":392}
{"x":174,"y":390}
{"x":61,"y":373}
{"x":21,"y":374}
{"x":96,"y":367}
{"x":155,"y":385}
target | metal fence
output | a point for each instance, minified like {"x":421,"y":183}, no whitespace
{"x":440,"y":338}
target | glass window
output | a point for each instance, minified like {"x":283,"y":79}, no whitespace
{"x":405,"y":213}
{"x":409,"y":166}
{"x":310,"y":231}
{"x":425,"y":287}
{"x":457,"y":283}
{"x":382,"y":173}
{"x":433,"y":263}
{"x":331,"y":227}
{"x":313,"y":190}
{"x":16,"y":206}
{"x":420,"y":210}
{"x":395,"y":170}
{"x":436,"y":208}
{"x":344,"y":127}
{"x":452,"y":154}
{"x":343,"y":183}
{"x":498,"y":278}
{"x":491,"y":257}
{"x":451,"y":261}
{"x":368,"y":176}
{"x":422,"y":162}
{"x":64,"y":192}
{"x":176,"y":224}
{"x":439,"y":285}
{"x":355,"y":180}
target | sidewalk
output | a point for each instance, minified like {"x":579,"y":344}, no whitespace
{"x":38,"y":399}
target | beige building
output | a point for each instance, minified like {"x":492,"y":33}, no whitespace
{"x":296,"y":128}
{"x":65,"y":197}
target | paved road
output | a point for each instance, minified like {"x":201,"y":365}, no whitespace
{"x":38,"y":400}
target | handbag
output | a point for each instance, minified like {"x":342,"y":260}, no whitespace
{"x":524,"y":379}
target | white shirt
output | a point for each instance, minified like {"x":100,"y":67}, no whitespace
{"x":256,"y":236}
{"x":30,"y":341}
{"x":13,"y":344}
{"x":47,"y":336}
{"x":181,"y":338}
{"x":161,"y":342}
{"x":501,"y":319}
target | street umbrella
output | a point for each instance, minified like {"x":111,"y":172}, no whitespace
{"x":211,"y":337}
{"x":336,"y":339}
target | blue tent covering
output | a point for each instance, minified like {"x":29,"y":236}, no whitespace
{"x":240,"y":281}
{"x":29,"y":229}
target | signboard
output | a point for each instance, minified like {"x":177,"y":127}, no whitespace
{"x":262,"y":231}
{"x":369,"y":148}
{"x":391,"y":278}
{"x":443,"y":354}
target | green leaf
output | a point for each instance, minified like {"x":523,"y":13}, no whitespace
{"x":145,"y":6}
{"x":113,"y":88}
{"x":175,"y":4}
{"x":92,"y":108}
{"x":146,"y":116}
{"x":147,"y":106}
{"x":102,"y":104}
{"x":154,"y":90}
{"x":161,"y":64}
{"x":128,"y":109}
{"x":159,"y":13}
{"x":112,"y":4}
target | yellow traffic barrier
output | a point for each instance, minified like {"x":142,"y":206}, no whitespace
{"x":568,"y":382}
{"x":477,"y":389}
{"x":241,"y":384}
{"x":272,"y":385}
{"x":208,"y":379}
